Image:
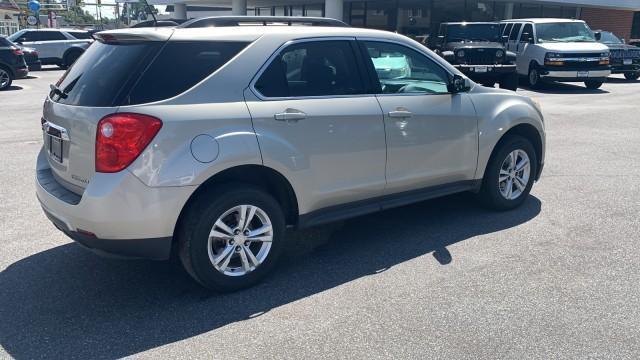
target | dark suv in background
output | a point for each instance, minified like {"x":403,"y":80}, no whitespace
{"x":477,"y":50}
{"x":12,"y":63}
{"x":625,"y":59}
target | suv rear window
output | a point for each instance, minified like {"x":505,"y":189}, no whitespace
{"x":140,"y":72}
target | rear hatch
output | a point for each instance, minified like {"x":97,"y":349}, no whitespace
{"x":95,"y":86}
{"x":124,"y":67}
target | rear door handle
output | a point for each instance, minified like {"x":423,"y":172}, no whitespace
{"x":400,"y":114}
{"x":290,"y":115}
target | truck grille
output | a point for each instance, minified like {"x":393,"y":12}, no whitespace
{"x":625,"y":54}
{"x":480,"y":56}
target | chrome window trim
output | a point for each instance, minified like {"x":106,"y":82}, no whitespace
{"x":277,"y":52}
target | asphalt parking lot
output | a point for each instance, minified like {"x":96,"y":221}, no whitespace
{"x":557,"y":278}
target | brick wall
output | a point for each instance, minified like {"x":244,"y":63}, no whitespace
{"x":618,"y":22}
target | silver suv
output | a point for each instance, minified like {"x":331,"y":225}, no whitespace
{"x":211,"y":141}
{"x":60,"y":47}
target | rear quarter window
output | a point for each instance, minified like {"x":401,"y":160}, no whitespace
{"x":81,"y":35}
{"x":179,"y":66}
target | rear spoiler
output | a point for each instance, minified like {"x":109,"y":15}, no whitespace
{"x":124,"y":36}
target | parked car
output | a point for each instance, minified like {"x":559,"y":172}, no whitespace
{"x":625,"y":59}
{"x":12,"y":65}
{"x":259,"y":128}
{"x":55,"y":46}
{"x":478,"y":51}
{"x":557,"y":50}
{"x":32,"y":58}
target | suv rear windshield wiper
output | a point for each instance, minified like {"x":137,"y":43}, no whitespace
{"x":56,"y":91}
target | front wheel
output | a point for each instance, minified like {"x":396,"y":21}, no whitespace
{"x":510,"y":174}
{"x":231,"y":237}
{"x":5,"y":78}
{"x":593,"y":85}
{"x":632,"y":76}
{"x":534,"y":77}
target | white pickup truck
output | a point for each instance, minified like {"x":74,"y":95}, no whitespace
{"x":60,"y":47}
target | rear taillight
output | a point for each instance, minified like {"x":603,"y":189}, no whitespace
{"x":18,"y":52}
{"x":121,"y":138}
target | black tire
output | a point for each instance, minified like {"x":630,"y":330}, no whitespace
{"x":510,"y":82}
{"x":193,"y":235}
{"x":70,"y":58}
{"x":593,"y":85}
{"x":7,"y":75}
{"x":533,"y":77}
{"x":490,"y":194}
{"x":632,"y":76}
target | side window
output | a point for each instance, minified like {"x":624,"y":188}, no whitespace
{"x":528,"y":29}
{"x":51,"y":36}
{"x":319,"y":68}
{"x":515,"y":32}
{"x":31,"y":36}
{"x":404,"y":70}
{"x":507,"y":29}
{"x":80,"y":35}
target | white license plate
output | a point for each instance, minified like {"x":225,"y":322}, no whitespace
{"x":627,"y":61}
{"x":582,"y":74}
{"x":55,"y":148}
{"x":481,"y":69}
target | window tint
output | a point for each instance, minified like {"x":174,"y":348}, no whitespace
{"x":82,"y":35}
{"x":30,"y":36}
{"x":321,"y":68}
{"x":85,"y":83}
{"x":4,"y":42}
{"x":51,"y":36}
{"x":515,"y":32}
{"x":137,"y":75}
{"x":404,"y":70}
{"x":528,"y":29}
{"x":181,"y":65}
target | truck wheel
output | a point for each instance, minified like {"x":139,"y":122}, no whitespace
{"x":510,"y":82}
{"x":5,"y":78}
{"x":70,"y":58}
{"x":534,"y":77}
{"x":593,"y":85}
{"x":231,"y":237}
{"x":632,"y":76}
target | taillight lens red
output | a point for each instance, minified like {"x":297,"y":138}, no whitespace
{"x":18,"y":52}
{"x":121,"y":138}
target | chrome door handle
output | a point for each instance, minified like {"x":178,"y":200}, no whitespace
{"x":400,"y":114}
{"x":290,"y":115}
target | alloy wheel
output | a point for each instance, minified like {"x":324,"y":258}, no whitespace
{"x":514,"y":174}
{"x":240,"y":240}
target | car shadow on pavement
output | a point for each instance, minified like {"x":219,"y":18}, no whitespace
{"x":563,"y":88}
{"x":13,"y":88}
{"x":622,"y":81}
{"x":68,"y":303}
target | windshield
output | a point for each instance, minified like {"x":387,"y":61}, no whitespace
{"x":473,"y":32}
{"x":609,"y":38}
{"x":564,"y":32}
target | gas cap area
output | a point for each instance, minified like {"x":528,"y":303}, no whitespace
{"x":204,"y":148}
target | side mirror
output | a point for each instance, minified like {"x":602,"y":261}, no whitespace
{"x":598,"y":35}
{"x":459,"y":84}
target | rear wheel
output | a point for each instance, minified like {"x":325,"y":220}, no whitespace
{"x":232,"y":237}
{"x":510,"y":174}
{"x":70,"y":58}
{"x":593,"y":84}
{"x":632,"y":76}
{"x":510,"y":82}
{"x":6,"y":78}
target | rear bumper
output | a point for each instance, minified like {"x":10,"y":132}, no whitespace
{"x":117,"y":214}
{"x":22,"y":72}
{"x":35,"y":65}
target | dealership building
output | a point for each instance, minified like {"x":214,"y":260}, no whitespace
{"x":422,"y":17}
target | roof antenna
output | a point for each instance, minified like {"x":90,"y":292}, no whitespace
{"x":148,"y":7}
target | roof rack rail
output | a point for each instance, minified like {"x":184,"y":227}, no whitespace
{"x":222,"y":21}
